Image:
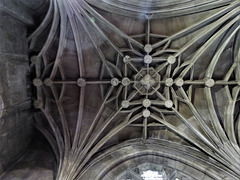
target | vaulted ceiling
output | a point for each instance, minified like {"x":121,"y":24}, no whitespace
{"x":158,"y":78}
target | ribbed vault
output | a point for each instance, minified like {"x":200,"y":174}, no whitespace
{"x":110,"y":71}
{"x":127,"y":159}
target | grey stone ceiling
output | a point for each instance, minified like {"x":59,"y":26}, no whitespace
{"x":149,"y":75}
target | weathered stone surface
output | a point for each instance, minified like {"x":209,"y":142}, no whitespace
{"x":16,"y":121}
{"x":162,"y":74}
{"x":36,"y":163}
{"x":16,"y":10}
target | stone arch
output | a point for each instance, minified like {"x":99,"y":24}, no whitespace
{"x":112,"y":163}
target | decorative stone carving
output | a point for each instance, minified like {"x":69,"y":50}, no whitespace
{"x":135,"y":78}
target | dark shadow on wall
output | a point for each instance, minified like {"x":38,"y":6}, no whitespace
{"x":36,"y":163}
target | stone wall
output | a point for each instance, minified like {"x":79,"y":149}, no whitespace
{"x":15,"y":117}
{"x":16,"y":120}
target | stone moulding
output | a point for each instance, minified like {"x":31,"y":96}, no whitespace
{"x":90,"y":63}
{"x":108,"y":164}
